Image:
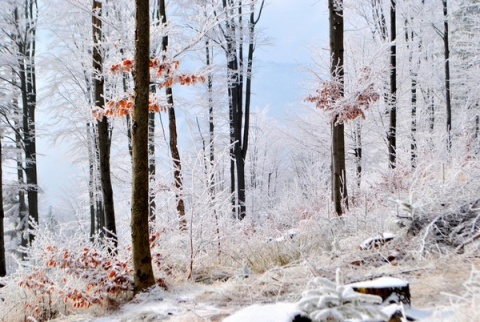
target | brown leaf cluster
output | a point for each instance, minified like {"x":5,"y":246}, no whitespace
{"x":164,"y":74}
{"x":343,"y":108}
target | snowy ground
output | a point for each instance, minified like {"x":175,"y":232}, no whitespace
{"x":429,"y":279}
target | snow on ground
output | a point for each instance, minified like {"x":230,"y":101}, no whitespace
{"x":229,"y":301}
{"x":277,"y":312}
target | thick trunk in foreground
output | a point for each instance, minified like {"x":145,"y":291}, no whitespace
{"x":142,"y":258}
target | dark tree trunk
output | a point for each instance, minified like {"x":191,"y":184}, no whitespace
{"x":104,"y":139}
{"x":177,"y":165}
{"x":3,"y":263}
{"x":235,"y":88}
{"x":357,"y":136}
{"x":448,"y":102}
{"x":409,"y":38}
{"x":211,"y":124}
{"x":27,"y":50}
{"x":339,"y":179}
{"x":239,"y":127}
{"x":91,"y":182}
{"x":379,"y":20}
{"x":172,"y":126}
{"x":392,"y":133}
{"x":142,"y":259}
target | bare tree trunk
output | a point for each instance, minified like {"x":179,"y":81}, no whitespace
{"x":3,"y":263}
{"x":448,"y":100}
{"x":151,"y":167}
{"x":27,"y":49}
{"x":392,"y":135}
{"x":142,"y":258}
{"x":357,"y":136}
{"x":339,"y":180}
{"x":91,"y":182}
{"x":234,"y":101}
{"x":235,"y":76}
{"x":22,"y":205}
{"x":172,"y":126}
{"x":379,"y":19}
{"x":104,"y":135}
{"x":409,"y":38}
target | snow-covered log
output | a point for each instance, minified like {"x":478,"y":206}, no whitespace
{"x":391,"y":290}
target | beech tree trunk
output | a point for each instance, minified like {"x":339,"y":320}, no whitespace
{"x":239,"y":105}
{"x":392,"y":133}
{"x":22,"y":204}
{"x":409,"y":38}
{"x":448,"y":100}
{"x":91,"y":183}
{"x":339,"y":179}
{"x":3,"y":263}
{"x":104,"y":135}
{"x":26,"y":45}
{"x":172,"y":126}
{"x":142,"y":258}
{"x":357,"y":138}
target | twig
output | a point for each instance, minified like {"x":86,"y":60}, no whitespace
{"x":427,"y":230}
{"x":468,"y":241}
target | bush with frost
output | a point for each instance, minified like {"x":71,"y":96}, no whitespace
{"x":335,"y":301}
{"x":64,"y":273}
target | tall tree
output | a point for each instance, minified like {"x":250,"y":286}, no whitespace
{"x":239,"y":77}
{"x":339,"y":180}
{"x":25,"y":18}
{"x":409,"y":39}
{"x":172,"y":126}
{"x":3,"y":264}
{"x":392,"y":132}
{"x":448,"y":99}
{"x":103,"y":127}
{"x":142,"y":258}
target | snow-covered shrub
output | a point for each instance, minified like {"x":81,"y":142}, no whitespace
{"x":65,"y":273}
{"x":335,"y":301}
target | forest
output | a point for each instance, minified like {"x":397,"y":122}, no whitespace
{"x":196,"y":183}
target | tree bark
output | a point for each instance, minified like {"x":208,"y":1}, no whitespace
{"x":339,"y":180}
{"x":172,"y":126}
{"x":448,"y":100}
{"x":104,"y":139}
{"x":392,"y":133}
{"x":239,"y":113}
{"x":22,"y":227}
{"x":3,"y":263}
{"x":357,"y":137}
{"x":409,"y":39}
{"x":27,"y":50}
{"x":142,"y":259}
{"x":91,"y":183}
